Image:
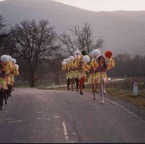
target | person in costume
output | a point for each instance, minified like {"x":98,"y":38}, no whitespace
{"x":16,"y":72}
{"x":71,"y":71}
{"x":83,"y":54}
{"x":82,"y":68}
{"x":102,"y":68}
{"x":13,"y":73}
{"x":65,"y":69}
{"x":92,"y":71}
{"x":77,"y":56}
{"x":3,"y":79}
{"x":3,"y":86}
{"x":9,"y":68}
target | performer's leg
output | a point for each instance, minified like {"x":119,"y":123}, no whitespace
{"x":1,"y":99}
{"x":82,"y":80}
{"x":72,"y":83}
{"x":68,"y":83}
{"x":104,"y":86}
{"x":96,"y":86}
{"x":93,"y":90}
{"x":80,"y":86}
{"x":83,"y":85}
{"x":101,"y":93}
{"x":77,"y":83}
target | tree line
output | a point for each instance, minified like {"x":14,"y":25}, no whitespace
{"x":39,"y":50}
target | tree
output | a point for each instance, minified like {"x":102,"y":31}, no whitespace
{"x":2,"y":33}
{"x":55,"y":65}
{"x":32,"y":42}
{"x":83,"y":39}
{"x":2,"y":23}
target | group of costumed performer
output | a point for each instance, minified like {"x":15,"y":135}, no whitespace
{"x":95,"y":65}
{"x":8,"y":70}
{"x":74,"y":68}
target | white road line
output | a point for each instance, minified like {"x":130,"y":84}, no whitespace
{"x":38,"y":118}
{"x":16,"y":121}
{"x":65,"y":131}
{"x":56,"y":116}
{"x":9,"y":119}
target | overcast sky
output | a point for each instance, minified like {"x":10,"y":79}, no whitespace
{"x":107,"y":5}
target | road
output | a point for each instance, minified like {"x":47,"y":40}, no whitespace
{"x":52,"y":116}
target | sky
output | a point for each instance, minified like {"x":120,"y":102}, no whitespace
{"x":107,"y":5}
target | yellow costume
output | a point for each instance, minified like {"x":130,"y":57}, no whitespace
{"x":92,"y":73}
{"x":101,"y":72}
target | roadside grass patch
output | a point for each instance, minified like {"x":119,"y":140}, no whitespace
{"x":128,"y":95}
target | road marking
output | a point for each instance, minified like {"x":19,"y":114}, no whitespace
{"x":124,"y":109}
{"x":56,"y":116}
{"x":9,"y":119}
{"x":65,"y":131}
{"x":16,"y":121}
{"x":38,"y":118}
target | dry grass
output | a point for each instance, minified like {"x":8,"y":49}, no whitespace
{"x":128,"y":96}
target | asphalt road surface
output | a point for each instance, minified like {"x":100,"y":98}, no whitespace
{"x":51,"y":116}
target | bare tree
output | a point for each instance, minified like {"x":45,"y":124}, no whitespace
{"x":82,"y":39}
{"x":33,"y":43}
{"x":55,"y":65}
{"x":2,"y":32}
{"x":2,"y":23}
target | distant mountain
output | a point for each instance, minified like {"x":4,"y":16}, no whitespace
{"x":123,"y":31}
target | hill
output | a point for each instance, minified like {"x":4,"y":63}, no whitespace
{"x":123,"y":31}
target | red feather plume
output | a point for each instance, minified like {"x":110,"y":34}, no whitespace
{"x":108,"y":54}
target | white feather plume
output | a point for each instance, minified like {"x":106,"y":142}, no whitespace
{"x":17,"y":66}
{"x":86,"y":58}
{"x":63,"y":63}
{"x":77,"y":52}
{"x":64,"y":60}
{"x":71,"y":58}
{"x":4,"y":58}
{"x":67,"y":60}
{"x":14,"y":60}
{"x":77,"y":56}
{"x":95,"y":53}
{"x":10,"y":58}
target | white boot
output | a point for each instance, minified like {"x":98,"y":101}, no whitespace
{"x":102,"y":101}
{"x":104,"y":92}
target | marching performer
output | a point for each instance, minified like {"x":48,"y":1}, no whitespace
{"x":72,"y":71}
{"x":4,"y":78}
{"x":102,"y":68}
{"x":83,"y":54}
{"x":77,"y":56}
{"x":65,"y":69}
{"x":92,"y":71}
{"x":3,"y":86}
{"x":83,"y":67}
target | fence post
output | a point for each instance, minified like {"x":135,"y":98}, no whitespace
{"x":135,"y":89}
